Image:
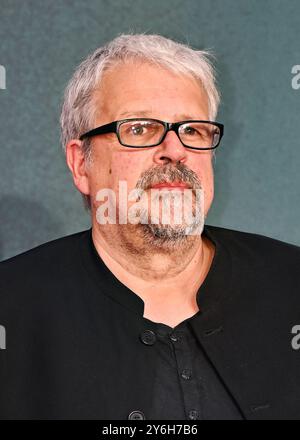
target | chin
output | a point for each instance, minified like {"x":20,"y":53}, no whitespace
{"x":168,"y":236}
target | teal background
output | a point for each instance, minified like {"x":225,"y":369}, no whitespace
{"x":256,"y":43}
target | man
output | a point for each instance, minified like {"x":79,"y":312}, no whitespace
{"x":140,"y":318}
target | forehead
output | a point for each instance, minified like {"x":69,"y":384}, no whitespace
{"x":150,"y":90}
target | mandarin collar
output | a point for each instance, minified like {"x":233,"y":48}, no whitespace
{"x":217,"y":280}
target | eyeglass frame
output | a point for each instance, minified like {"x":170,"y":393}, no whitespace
{"x":113,"y":127}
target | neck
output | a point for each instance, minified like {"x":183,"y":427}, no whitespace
{"x":167,"y":278}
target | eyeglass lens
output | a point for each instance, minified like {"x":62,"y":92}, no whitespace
{"x":143,"y":133}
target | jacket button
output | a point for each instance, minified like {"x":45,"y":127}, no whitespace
{"x":136,"y":415}
{"x":148,"y":337}
{"x":174,"y":337}
{"x":194,"y":415}
{"x":186,"y":374}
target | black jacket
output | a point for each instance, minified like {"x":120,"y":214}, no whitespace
{"x":73,"y":347}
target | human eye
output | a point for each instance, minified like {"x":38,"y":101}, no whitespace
{"x":137,"y":129}
{"x":196,"y":130}
{"x":188,"y":130}
{"x":140,"y":128}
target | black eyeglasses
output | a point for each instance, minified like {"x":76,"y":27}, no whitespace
{"x":145,"y":132}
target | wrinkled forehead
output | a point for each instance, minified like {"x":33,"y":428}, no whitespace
{"x":142,"y":87}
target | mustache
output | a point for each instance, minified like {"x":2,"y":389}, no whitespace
{"x":168,"y":174}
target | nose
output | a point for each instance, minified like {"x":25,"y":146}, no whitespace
{"x":170,"y":150}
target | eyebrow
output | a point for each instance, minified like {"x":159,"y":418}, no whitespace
{"x":145,"y":113}
{"x":138,"y":112}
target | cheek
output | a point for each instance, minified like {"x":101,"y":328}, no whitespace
{"x":122,"y":168}
{"x":126,"y":168}
{"x":206,"y":176}
{"x":99,"y":171}
{"x":209,"y":184}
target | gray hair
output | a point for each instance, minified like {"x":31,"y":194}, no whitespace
{"x":78,"y":109}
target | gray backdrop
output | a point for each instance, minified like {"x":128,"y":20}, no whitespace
{"x":257,"y":169}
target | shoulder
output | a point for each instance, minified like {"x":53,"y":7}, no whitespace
{"x":49,"y":252}
{"x":253,"y":245}
{"x":257,"y":260}
{"x":40,"y":268}
{"x":262,"y":268}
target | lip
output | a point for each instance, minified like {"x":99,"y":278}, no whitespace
{"x":171,"y":185}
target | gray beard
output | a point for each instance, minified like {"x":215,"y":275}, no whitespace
{"x":171,"y":235}
{"x":167,"y":235}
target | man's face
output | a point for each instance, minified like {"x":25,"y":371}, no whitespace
{"x":143,"y":90}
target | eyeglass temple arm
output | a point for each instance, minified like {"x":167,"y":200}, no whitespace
{"x":108,"y":128}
